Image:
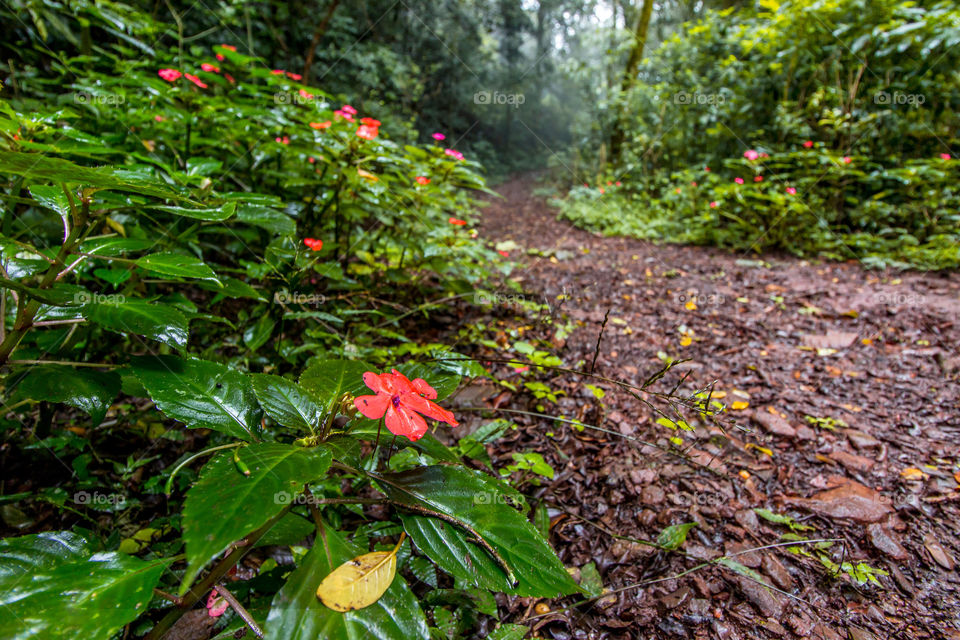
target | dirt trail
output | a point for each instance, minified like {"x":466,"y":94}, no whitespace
{"x":871,"y":355}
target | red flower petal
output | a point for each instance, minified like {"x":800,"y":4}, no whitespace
{"x":405,"y":423}
{"x":372,"y":407}
{"x":413,"y":402}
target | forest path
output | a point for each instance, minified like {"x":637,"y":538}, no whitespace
{"x":870,"y":356}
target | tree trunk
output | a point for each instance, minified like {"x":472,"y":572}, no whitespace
{"x":629,"y":77}
{"x":317,"y":34}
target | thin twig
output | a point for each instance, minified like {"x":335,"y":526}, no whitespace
{"x":596,"y":353}
{"x":243,"y":613}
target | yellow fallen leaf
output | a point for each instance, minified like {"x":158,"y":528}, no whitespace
{"x":911,"y":473}
{"x":366,"y":174}
{"x":739,"y":405}
{"x":719,"y":394}
{"x":691,"y":305}
{"x":686,"y":341}
{"x":763,"y":450}
{"x":360,"y":582}
{"x":744,"y":474}
{"x":866,"y":342}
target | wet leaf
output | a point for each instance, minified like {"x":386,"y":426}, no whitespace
{"x":360,"y":582}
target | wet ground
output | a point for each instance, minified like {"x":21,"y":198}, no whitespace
{"x":842,"y":396}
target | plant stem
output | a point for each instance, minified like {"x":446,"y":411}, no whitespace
{"x":219,"y":570}
{"x":243,"y":613}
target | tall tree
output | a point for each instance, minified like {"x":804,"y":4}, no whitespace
{"x":640,"y":27}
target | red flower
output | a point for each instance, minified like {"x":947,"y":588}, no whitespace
{"x":296,"y":77}
{"x":453,"y":153}
{"x":367,"y":133}
{"x":228,"y":47}
{"x":229,"y":78}
{"x":216,"y":605}
{"x":339,"y":113}
{"x":278,"y":72}
{"x":505,"y":254}
{"x":422,"y":180}
{"x":170,"y":75}
{"x":758,"y":178}
{"x":283,"y":140}
{"x":738,"y":180}
{"x":348,"y":109}
{"x":457,"y":222}
{"x":619,"y":184}
{"x":808,"y":144}
{"x":321,"y":125}
{"x":370,"y":122}
{"x":306,"y":95}
{"x":220,"y":57}
{"x":206,"y":66}
{"x":944,"y":156}
{"x":313,"y":243}
{"x":402,"y":401}
{"x":195,"y":80}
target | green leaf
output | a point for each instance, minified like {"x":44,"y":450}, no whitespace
{"x":330,"y":379}
{"x":225,"y":505}
{"x":286,"y":402}
{"x":85,"y":388}
{"x":479,"y":502}
{"x":156,"y":321}
{"x":177,"y":265}
{"x":289,"y":530}
{"x":35,"y":165}
{"x":297,"y":614}
{"x":114,"y":246}
{"x":590,"y":580}
{"x":257,"y":334}
{"x":201,"y":394}
{"x":38,"y":551}
{"x":777,"y":518}
{"x":274,"y":221}
{"x":217,"y":214}
{"x":52,"y":197}
{"x":673,"y":537}
{"x":51,"y":589}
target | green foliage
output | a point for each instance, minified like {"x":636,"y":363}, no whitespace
{"x":207,"y":255}
{"x":848,"y":106}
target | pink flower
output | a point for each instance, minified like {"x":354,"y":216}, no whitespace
{"x":677,"y":190}
{"x":693,"y":184}
{"x":944,"y":156}
{"x":438,"y":136}
{"x":713,"y":205}
{"x":750,"y":154}
{"x":707,"y":169}
{"x":339,"y":113}
{"x":367,"y":133}
{"x":618,"y":183}
{"x":808,"y":144}
{"x":348,"y":109}
{"x":738,"y":180}
{"x":296,"y":77}
{"x":278,"y":72}
{"x":283,"y":140}
{"x":758,"y":178}
{"x":228,"y":47}
{"x":159,"y":118}
{"x":453,"y":153}
{"x":195,"y":80}
{"x":422,"y":180}
{"x":206,"y":66}
{"x":216,"y":605}
{"x":601,"y":190}
{"x":305,"y":94}
{"x":847,"y":159}
{"x":792,"y":191}
{"x":170,"y":75}
{"x":220,"y":57}
{"x":311,"y":159}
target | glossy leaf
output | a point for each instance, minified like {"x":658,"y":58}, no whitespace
{"x":52,"y":197}
{"x":297,"y":613}
{"x":673,"y":537}
{"x":225,"y":505}
{"x":201,"y":394}
{"x":287,"y":402}
{"x":217,"y":214}
{"x":155,"y":321}
{"x":177,"y":265}
{"x":480,"y":503}
{"x":51,"y":588}
{"x":85,"y":388}
{"x":330,"y":379}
